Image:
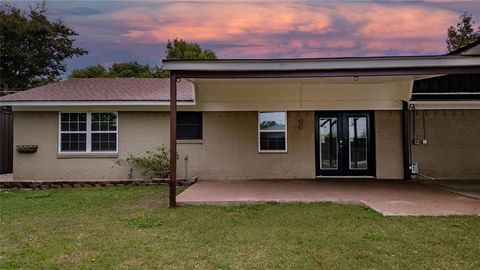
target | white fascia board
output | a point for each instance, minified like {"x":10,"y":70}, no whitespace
{"x":94,"y":103}
{"x":323,"y":64}
{"x":446,"y":105}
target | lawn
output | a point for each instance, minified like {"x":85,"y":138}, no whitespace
{"x":131,"y":227}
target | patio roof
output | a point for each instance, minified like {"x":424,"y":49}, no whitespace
{"x":324,"y":67}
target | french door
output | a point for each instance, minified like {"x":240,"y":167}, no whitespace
{"x":344,"y":144}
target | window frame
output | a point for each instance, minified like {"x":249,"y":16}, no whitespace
{"x":259,"y":131}
{"x":201,"y":126}
{"x":88,"y":132}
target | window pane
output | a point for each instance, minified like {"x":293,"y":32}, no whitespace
{"x":272,"y":141}
{"x":104,"y":122}
{"x":73,"y":121}
{"x":357,"y":133}
{"x":64,"y":126}
{"x":104,"y":142}
{"x":112,"y":126}
{"x":272,"y":120}
{"x":95,"y":126}
{"x":73,"y":142}
{"x":104,"y":126}
{"x":189,"y":125}
{"x":328,"y":143}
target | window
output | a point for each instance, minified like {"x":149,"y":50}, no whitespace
{"x":88,"y":132}
{"x":189,"y":125}
{"x":272,"y":131}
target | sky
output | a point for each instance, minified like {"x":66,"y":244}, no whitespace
{"x":120,"y":31}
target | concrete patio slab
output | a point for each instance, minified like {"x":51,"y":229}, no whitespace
{"x":391,"y":198}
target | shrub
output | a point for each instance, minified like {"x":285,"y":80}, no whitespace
{"x":157,"y":161}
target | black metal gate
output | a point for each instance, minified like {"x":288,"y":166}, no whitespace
{"x":6,"y":140}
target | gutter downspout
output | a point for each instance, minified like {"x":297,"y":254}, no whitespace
{"x":406,"y":140}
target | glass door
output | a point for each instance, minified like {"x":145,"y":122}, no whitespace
{"x":344,"y":144}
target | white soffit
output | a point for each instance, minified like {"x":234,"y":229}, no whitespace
{"x":324,"y":64}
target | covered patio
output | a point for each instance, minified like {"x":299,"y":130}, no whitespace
{"x":390,"y":198}
{"x":319,"y":87}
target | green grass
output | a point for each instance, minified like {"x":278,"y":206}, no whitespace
{"x":132,"y":228}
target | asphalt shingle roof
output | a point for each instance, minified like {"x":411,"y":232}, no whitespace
{"x":105,"y":89}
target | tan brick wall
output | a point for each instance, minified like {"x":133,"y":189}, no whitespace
{"x":228,"y":150}
{"x":389,"y":148}
{"x":138,"y":131}
{"x":453,"y":149}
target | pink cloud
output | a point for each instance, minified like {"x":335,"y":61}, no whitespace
{"x":286,"y":29}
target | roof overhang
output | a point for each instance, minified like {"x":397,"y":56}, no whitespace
{"x":93,"y":103}
{"x":326,"y":67}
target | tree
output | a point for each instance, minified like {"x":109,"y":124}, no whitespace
{"x":119,"y":70}
{"x":131,"y":69}
{"x":179,"y":49}
{"x":32,"y":47}
{"x":463,"y":34}
{"x":97,"y":71}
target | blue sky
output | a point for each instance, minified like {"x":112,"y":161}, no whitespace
{"x":119,"y":31}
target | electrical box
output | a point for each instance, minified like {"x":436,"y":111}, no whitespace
{"x":414,"y":168}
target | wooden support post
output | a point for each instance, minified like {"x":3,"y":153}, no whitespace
{"x":173,"y":140}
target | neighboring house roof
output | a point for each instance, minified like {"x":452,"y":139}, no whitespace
{"x":473,"y":48}
{"x":105,"y":89}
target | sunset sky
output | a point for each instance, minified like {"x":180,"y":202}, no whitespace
{"x":116,"y":31}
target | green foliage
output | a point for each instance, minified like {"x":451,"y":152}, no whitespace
{"x":157,"y":161}
{"x":131,"y":227}
{"x":179,"y":49}
{"x":120,"y":70}
{"x":32,"y":47}
{"x":146,"y":221}
{"x":463,"y":33}
{"x":97,"y":71}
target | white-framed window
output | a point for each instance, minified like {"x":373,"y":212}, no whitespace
{"x":272,"y":131}
{"x":88,"y":132}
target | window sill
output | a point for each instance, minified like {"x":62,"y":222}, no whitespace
{"x":189,"y":141}
{"x":273,"y":152}
{"x":87,"y":155}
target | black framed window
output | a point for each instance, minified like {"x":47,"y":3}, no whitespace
{"x":189,"y":126}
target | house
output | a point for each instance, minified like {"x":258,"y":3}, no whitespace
{"x":367,"y":117}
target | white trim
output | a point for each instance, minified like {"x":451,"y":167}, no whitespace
{"x":345,"y":176}
{"x":446,"y":105}
{"x":88,"y":132}
{"x":324,"y":64}
{"x":447,"y":93}
{"x":94,"y":103}
{"x":261,"y":131}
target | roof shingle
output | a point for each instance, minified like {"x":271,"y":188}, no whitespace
{"x":105,"y":89}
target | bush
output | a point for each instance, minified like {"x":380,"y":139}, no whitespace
{"x":157,"y":161}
